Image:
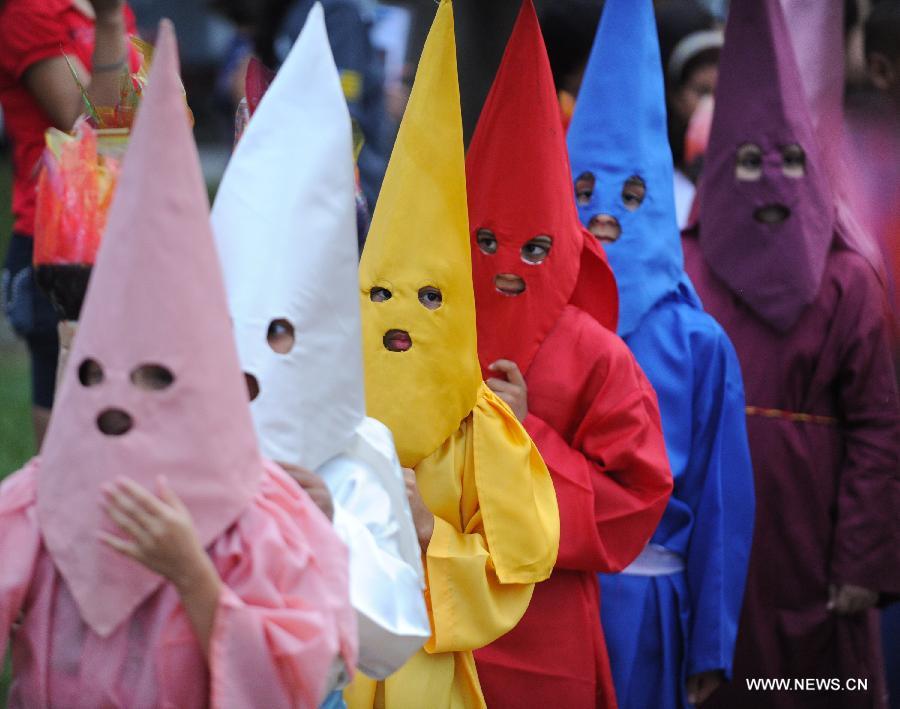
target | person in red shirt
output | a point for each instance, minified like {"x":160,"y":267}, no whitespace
{"x":37,"y":91}
{"x":546,"y":305}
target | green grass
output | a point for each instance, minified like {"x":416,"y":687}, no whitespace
{"x":16,"y":436}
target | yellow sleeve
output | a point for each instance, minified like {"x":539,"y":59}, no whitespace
{"x":496,"y":539}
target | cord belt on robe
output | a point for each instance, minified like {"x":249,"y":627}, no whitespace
{"x":655,"y":560}
{"x":791,"y":416}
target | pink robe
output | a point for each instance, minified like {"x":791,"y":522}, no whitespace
{"x":283,"y":616}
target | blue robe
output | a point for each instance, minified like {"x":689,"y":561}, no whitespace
{"x":661,"y":629}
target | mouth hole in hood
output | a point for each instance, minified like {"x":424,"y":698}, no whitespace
{"x":509,"y":284}
{"x":397,"y":340}
{"x":772,"y":214}
{"x":114,"y":422}
{"x":605,"y":227}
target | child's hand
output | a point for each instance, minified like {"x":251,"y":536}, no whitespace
{"x":513,"y":390}
{"x":422,"y":517}
{"x":314,"y":485}
{"x":849,"y":599}
{"x":160,"y":532}
{"x":701,"y":686}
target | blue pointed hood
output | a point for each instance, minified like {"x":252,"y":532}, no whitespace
{"x":619,"y":131}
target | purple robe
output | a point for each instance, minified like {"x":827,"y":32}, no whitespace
{"x":827,"y":490}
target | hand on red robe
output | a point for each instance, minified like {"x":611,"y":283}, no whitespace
{"x":513,"y":390}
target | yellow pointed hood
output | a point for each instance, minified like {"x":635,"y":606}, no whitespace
{"x":418,"y":250}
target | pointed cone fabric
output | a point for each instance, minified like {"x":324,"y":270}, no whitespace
{"x":774,"y":264}
{"x":618,"y":132}
{"x":155,"y":345}
{"x":415,"y":274}
{"x":817,"y":31}
{"x":817,"y":34}
{"x":520,"y":188}
{"x":285,"y":224}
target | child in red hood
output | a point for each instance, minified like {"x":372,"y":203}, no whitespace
{"x":546,"y":304}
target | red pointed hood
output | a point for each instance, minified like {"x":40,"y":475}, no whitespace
{"x":519,"y":187}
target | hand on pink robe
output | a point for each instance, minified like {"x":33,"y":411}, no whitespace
{"x":284,"y":616}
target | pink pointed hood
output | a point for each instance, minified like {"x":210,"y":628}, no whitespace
{"x":764,"y":230}
{"x":155,"y":305}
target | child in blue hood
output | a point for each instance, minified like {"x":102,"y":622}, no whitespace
{"x":671,"y":617}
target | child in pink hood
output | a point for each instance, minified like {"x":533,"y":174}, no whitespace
{"x":151,"y":557}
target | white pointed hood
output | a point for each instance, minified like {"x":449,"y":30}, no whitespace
{"x":285,"y":224}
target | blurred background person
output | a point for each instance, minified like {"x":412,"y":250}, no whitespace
{"x":42,"y":42}
{"x":690,"y":42}
{"x":349,"y":23}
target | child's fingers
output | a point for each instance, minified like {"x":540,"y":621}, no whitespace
{"x":510,"y":369}
{"x":127,"y":505}
{"x":128,"y":525}
{"x":167,"y":494}
{"x":149,"y":502}
{"x":499,"y":385}
{"x":120,"y":545}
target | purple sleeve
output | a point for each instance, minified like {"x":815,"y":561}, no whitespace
{"x":866,"y":550}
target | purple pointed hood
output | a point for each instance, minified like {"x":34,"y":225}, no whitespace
{"x":766,"y":208}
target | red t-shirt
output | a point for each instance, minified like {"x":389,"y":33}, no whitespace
{"x":31,"y":31}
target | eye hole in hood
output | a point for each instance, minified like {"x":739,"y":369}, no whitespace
{"x":280,"y":336}
{"x":90,"y":373}
{"x":152,"y":377}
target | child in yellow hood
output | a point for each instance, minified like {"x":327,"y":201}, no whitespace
{"x":482,"y":497}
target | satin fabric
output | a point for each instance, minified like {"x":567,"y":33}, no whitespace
{"x":775,"y":269}
{"x":619,"y":131}
{"x":371,"y":516}
{"x":490,"y":495}
{"x":155,"y":298}
{"x":519,"y":188}
{"x":496,"y":523}
{"x":417,"y":240}
{"x":660,"y":630}
{"x":278,"y":625}
{"x":284,"y":216}
{"x":285,"y":228}
{"x":594,"y":418}
{"x":827,"y":495}
{"x":592,"y":414}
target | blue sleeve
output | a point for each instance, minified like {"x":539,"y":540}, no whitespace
{"x":722,"y":500}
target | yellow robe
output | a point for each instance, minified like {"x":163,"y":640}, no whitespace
{"x":496,"y":533}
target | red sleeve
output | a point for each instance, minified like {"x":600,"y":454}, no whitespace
{"x":31,"y":32}
{"x":613,"y":482}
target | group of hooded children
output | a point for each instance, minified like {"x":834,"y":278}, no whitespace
{"x":516,"y":390}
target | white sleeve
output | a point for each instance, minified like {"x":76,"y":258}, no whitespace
{"x":371,"y":515}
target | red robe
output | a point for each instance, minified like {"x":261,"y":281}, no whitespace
{"x":827,"y":489}
{"x":594,"y":418}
